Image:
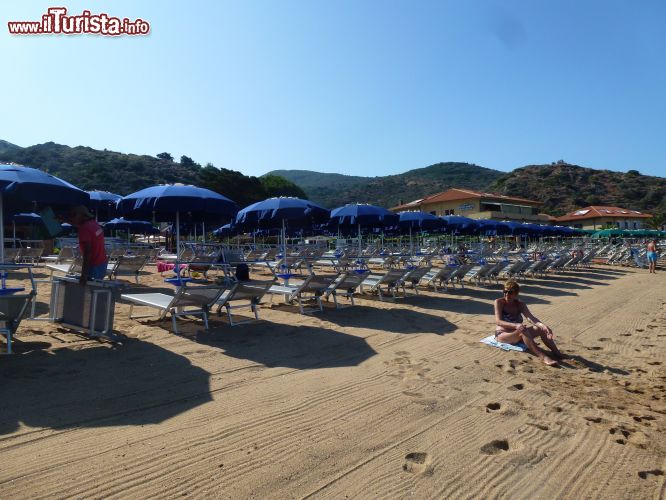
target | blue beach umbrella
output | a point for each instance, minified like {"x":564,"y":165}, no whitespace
{"x":457,"y":224}
{"x":418,"y":221}
{"x":280,"y":212}
{"x":363,"y":215}
{"x":167,"y":202}
{"x":104,"y":204}
{"x":515,"y":228}
{"x":28,"y":189}
{"x":132,"y":226}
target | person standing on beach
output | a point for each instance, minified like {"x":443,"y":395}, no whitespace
{"x":91,"y":244}
{"x":652,"y":256}
{"x":509,"y":312}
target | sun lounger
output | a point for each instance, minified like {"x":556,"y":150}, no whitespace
{"x":250,"y":291}
{"x":30,"y":255}
{"x":390,"y":280}
{"x":13,"y":309}
{"x":438,"y":275}
{"x":311,"y":287}
{"x":126,"y":266}
{"x":412,"y":277}
{"x":459,"y":274}
{"x":73,"y":267}
{"x":187,"y":301}
{"x":345,"y":284}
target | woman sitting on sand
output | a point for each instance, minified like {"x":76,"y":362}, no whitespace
{"x":510,"y":329}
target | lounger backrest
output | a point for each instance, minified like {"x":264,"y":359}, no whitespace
{"x":198,"y":296}
{"x":129,"y":265}
{"x":250,"y":290}
{"x":13,"y":309}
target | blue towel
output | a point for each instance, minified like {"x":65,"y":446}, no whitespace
{"x":490,"y":340}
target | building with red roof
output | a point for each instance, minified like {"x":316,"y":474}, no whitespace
{"x":596,"y":217}
{"x":478,"y":205}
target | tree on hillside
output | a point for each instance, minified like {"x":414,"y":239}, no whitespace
{"x":165,"y":156}
{"x":279,"y":186}
{"x":187,"y":161}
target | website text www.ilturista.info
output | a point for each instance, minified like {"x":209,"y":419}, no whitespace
{"x":56,"y":21}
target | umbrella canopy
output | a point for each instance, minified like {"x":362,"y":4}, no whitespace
{"x":225,"y":231}
{"x":163,"y":202}
{"x":133,"y":226}
{"x":458,"y":224}
{"x":363,"y":214}
{"x":25,"y":219}
{"x":103,"y":204}
{"x":515,"y":228}
{"x":25,"y":188}
{"x":419,"y":221}
{"x":272,"y":212}
{"x":28,"y":188}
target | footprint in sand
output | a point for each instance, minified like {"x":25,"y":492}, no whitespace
{"x":654,"y":363}
{"x":417,"y":463}
{"x":517,"y":387}
{"x":495,"y":447}
{"x":644,"y":474}
{"x":493,"y":407}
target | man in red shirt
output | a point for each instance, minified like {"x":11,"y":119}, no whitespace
{"x":91,"y":244}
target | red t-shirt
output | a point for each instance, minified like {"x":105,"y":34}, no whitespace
{"x":92,"y":235}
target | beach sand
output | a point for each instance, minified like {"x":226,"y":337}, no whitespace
{"x":384,"y":399}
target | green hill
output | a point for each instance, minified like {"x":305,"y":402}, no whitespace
{"x":93,"y":169}
{"x":333,"y":190}
{"x":563,"y":187}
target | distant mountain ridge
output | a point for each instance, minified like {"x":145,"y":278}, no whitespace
{"x":94,"y":169}
{"x":332,"y":190}
{"x":562,"y":187}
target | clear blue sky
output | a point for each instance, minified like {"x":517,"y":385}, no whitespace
{"x":358,"y":87}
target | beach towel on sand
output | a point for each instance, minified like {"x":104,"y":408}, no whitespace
{"x":490,"y":340}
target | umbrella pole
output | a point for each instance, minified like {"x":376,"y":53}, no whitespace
{"x":284,"y":246}
{"x":360,"y":250}
{"x":177,"y":243}
{"x":411,"y":245}
{"x":2,"y":233}
{"x":203,"y":232}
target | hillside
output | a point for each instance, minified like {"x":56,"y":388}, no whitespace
{"x":93,"y":169}
{"x":563,"y":187}
{"x":333,"y":190}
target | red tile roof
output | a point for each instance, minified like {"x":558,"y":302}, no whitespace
{"x":455,"y":194}
{"x":594,"y":212}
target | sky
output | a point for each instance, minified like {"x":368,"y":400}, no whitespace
{"x":360,"y":87}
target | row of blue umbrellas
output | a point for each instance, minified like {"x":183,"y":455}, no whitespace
{"x":27,"y":188}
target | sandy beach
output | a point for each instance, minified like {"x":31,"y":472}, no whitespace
{"x":382,"y":400}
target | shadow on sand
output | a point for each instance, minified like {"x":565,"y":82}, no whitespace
{"x":590,"y":365}
{"x":279,"y":345}
{"x":395,"y":320}
{"x":135,"y":383}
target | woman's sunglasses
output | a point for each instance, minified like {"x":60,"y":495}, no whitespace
{"x":509,"y":292}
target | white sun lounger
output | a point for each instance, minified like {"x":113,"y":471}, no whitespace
{"x":13,"y":309}
{"x":250,"y":291}
{"x":199,"y":300}
{"x":345,"y":284}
